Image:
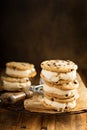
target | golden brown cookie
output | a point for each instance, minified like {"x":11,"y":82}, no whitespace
{"x":19,"y":65}
{"x":59,"y":65}
{"x":12,"y":79}
{"x":20,"y":69}
{"x":62,"y":100}
{"x":64,"y":86}
{"x":15,"y":84}
{"x":58,"y":106}
{"x":56,"y":92}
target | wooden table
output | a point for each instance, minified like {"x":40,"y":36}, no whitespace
{"x":22,"y":120}
{"x":12,"y":120}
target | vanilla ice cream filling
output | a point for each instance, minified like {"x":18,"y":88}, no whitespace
{"x":59,"y":105}
{"x":55,"y":76}
{"x":16,"y":84}
{"x":59,"y":91}
{"x":11,"y":71}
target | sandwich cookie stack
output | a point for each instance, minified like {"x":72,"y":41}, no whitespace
{"x":17,"y":76}
{"x":60,"y":84}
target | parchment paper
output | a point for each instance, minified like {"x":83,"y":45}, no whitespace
{"x":34,"y":105}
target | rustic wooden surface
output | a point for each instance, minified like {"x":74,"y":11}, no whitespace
{"x":23,"y":120}
{"x":11,"y":120}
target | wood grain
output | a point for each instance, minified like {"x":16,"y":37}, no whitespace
{"x":11,"y":120}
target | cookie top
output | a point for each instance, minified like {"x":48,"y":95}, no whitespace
{"x":19,"y":65}
{"x":11,"y":79}
{"x":64,"y":85}
{"x":59,"y":65}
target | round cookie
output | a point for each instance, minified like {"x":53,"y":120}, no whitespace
{"x":20,"y":69}
{"x":15,"y":84}
{"x":59,"y":65}
{"x":19,"y":65}
{"x":11,"y":79}
{"x":58,"y":106}
{"x":56,"y":92}
{"x":64,"y":86}
{"x":64,"y":100}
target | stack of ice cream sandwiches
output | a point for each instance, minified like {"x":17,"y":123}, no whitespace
{"x":60,"y":84}
{"x":17,"y":76}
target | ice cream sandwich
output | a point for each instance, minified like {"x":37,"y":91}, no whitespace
{"x":15,"y":84}
{"x":20,"y":69}
{"x":60,"y":84}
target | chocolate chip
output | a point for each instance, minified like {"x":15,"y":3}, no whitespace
{"x":66,"y":107}
{"x":75,"y":82}
{"x":48,"y":64}
{"x":71,"y":69}
{"x":14,"y":67}
{"x":52,"y":99}
{"x":54,"y":64}
{"x":57,"y":82}
{"x":66,"y":95}
{"x":55,"y":110}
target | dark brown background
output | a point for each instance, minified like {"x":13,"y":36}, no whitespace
{"x":35,"y":30}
